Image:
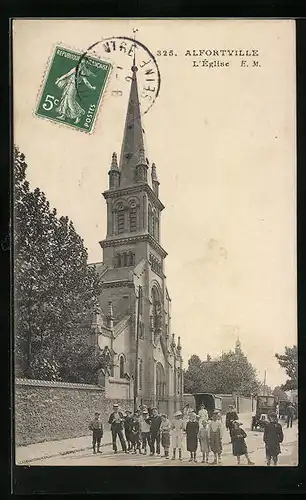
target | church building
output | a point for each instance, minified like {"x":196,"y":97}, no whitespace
{"x":134,"y":319}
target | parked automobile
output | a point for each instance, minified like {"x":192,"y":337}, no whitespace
{"x":211,"y":401}
{"x":264,"y":405}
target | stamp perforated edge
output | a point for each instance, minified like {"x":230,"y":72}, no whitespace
{"x":44,"y":79}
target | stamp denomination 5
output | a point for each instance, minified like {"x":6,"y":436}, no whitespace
{"x":73,"y":89}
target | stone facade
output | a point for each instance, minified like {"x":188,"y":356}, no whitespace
{"x":47,"y":411}
{"x":133,"y":262}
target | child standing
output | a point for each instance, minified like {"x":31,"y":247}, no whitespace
{"x":273,"y":436}
{"x":96,"y":427}
{"x":135,"y":433}
{"x":238,"y":436}
{"x":192,"y":431}
{"x":128,"y":422}
{"x":204,"y":441}
{"x":215,"y":434}
{"x":165,"y":428}
{"x":177,"y":434}
{"x":144,"y":422}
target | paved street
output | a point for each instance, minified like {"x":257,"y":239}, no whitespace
{"x":289,"y":456}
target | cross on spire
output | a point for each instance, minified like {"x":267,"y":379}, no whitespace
{"x":133,"y":143}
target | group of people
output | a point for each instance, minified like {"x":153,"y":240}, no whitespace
{"x":273,"y":436}
{"x":146,"y":430}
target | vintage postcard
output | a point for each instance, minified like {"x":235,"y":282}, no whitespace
{"x":155,"y":242}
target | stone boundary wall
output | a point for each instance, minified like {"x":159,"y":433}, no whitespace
{"x":244,"y":404}
{"x":47,"y":411}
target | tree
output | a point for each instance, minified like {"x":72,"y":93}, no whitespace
{"x":232,"y":372}
{"x":55,"y":290}
{"x":192,"y":377}
{"x":289,"y":361}
{"x":279,"y":393}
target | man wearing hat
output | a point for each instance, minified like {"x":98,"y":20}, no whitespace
{"x":155,"y":431}
{"x":96,"y":427}
{"x":116,"y":420}
{"x":229,"y":419}
{"x":144,"y":424}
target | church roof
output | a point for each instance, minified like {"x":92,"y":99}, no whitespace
{"x":133,"y":150}
{"x":118,"y":274}
{"x":100,"y":267}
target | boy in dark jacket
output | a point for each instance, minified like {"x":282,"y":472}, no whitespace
{"x":231,"y":416}
{"x":155,"y":422}
{"x":128,"y":424}
{"x":96,"y":427}
{"x":135,"y":434}
{"x":273,"y":436}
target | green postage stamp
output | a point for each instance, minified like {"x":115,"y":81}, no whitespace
{"x":73,"y":89}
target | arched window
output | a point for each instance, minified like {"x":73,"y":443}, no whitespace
{"x":141,"y":330}
{"x":140,"y":373}
{"x":125,"y":259}
{"x":160,"y":381}
{"x":150,"y":220}
{"x":154,"y":223}
{"x":121,"y":366}
{"x":131,"y":259}
{"x":133,"y":217}
{"x":156,"y":311}
{"x":120,"y":219}
{"x":157,"y":227}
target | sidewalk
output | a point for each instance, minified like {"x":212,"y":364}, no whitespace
{"x":49,"y":449}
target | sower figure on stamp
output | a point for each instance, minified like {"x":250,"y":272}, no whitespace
{"x":155,"y":431}
{"x":96,"y":427}
{"x":273,"y":436}
{"x":231,"y":415}
{"x":69,"y":106}
{"x":116,"y":420}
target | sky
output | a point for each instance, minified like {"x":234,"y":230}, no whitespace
{"x":223,"y":141}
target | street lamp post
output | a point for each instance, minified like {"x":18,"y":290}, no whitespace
{"x":264,"y":384}
{"x":137,"y":350}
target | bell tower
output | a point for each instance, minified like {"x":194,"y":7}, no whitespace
{"x":133,"y":204}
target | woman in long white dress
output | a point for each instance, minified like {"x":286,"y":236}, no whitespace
{"x":69,"y":107}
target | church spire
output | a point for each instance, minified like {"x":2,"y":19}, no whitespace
{"x":114,"y":174}
{"x":155,"y":182}
{"x":132,"y":144}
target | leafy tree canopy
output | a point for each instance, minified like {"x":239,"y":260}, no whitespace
{"x":55,"y":290}
{"x":280,"y":393}
{"x":231,"y":373}
{"x":289,"y":361}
